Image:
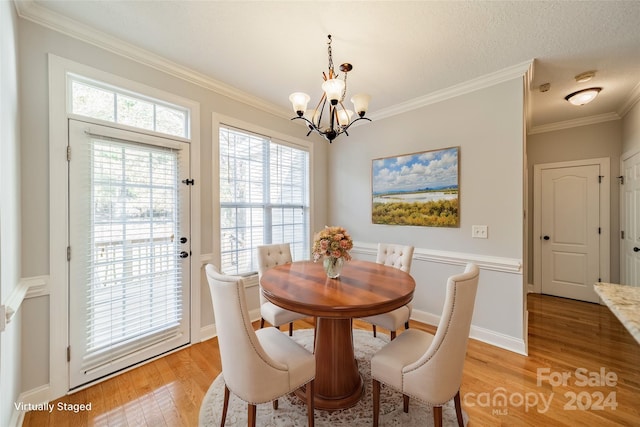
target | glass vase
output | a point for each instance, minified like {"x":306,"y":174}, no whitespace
{"x":333,"y":266}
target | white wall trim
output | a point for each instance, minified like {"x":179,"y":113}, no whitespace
{"x":30,"y":287}
{"x":634,"y":97}
{"x":568,"y":124}
{"x":481,"y":334}
{"x":473,"y":85}
{"x":28,"y":9}
{"x":504,"y":265}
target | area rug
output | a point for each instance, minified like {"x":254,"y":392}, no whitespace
{"x":293,"y":412}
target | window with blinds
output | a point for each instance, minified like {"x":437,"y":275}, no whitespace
{"x":264,"y":198}
{"x":133,"y":273}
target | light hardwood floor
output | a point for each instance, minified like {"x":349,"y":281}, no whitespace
{"x":570,"y":339}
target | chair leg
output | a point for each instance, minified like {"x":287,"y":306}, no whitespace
{"x":291,"y":329}
{"x":393,"y":335}
{"x":311,"y":406}
{"x":437,"y":416}
{"x":225,"y":405}
{"x":456,"y":400}
{"x":374,"y":331}
{"x":275,"y":404}
{"x":406,"y":325}
{"x":376,"y":402}
{"x":261,"y":323}
{"x":405,"y":403}
{"x":251,"y":418}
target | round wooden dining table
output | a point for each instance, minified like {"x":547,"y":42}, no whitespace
{"x":363,"y":289}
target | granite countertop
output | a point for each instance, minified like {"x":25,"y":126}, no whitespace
{"x":624,"y":302}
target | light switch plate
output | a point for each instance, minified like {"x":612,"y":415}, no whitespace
{"x":479,"y":231}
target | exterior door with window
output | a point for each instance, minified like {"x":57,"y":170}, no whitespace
{"x":129,"y":246}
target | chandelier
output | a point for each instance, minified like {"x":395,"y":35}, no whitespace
{"x":339,"y":119}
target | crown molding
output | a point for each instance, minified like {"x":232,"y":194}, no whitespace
{"x":29,"y":10}
{"x":634,"y":97}
{"x":568,"y":124}
{"x":478,"y":83}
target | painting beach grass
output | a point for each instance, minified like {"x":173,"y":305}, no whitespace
{"x":417,"y":189}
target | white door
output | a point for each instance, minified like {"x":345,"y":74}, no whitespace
{"x":128,"y":249}
{"x":569,"y":229}
{"x":630,"y":250}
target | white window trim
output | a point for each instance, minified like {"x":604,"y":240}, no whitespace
{"x":58,"y":202}
{"x":218,"y":120}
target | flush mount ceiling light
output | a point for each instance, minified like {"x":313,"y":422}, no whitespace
{"x":334,"y":90}
{"x":583,"y":96}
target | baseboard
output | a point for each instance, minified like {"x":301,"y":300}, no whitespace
{"x":34,"y":396}
{"x":478,"y":333}
{"x":207,"y":332}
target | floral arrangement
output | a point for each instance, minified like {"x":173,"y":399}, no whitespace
{"x":332,"y":242}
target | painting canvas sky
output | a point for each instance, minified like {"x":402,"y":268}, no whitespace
{"x":413,"y":172}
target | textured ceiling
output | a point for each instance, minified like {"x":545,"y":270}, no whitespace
{"x":400,"y":50}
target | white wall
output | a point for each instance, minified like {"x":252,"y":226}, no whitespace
{"x":35,"y":42}
{"x":631,"y":130}
{"x":9,"y":209}
{"x":488,"y":126}
{"x":581,"y":143}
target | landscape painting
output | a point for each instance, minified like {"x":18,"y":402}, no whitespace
{"x":417,"y":189}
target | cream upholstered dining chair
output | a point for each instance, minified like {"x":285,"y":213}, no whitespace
{"x":268,"y":257}
{"x":429,"y":367}
{"x":400,"y":257}
{"x":257,"y":366}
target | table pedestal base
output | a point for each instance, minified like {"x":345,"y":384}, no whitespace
{"x":338,"y":384}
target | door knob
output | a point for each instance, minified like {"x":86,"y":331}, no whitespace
{"x":546,"y":237}
{"x":183,"y":240}
{"x":636,"y":249}
{"x":184,"y":254}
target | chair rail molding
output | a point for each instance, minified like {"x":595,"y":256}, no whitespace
{"x":30,"y":287}
{"x":484,"y":262}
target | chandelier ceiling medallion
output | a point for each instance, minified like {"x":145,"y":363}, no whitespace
{"x":334,"y":90}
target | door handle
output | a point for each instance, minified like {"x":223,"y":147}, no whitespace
{"x":636,"y":249}
{"x":184,"y":254}
{"x":183,"y":240}
{"x":546,"y":237}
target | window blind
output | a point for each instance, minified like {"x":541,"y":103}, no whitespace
{"x":264,"y":198}
{"x":133,"y":277}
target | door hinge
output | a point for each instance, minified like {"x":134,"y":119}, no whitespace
{"x":599,"y":230}
{"x":188,"y":181}
{"x":621,"y":178}
{"x":600,"y":179}
{"x":599,"y":279}
{"x":68,"y":253}
{"x":622,"y":234}
{"x":68,"y":153}
{"x":69,"y":353}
